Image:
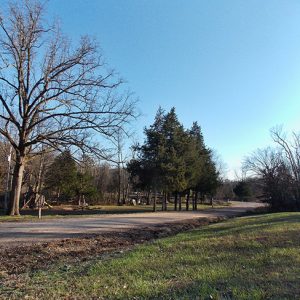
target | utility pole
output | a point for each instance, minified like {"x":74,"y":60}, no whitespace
{"x":8,"y":180}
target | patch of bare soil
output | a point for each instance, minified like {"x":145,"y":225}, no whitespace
{"x":15,"y":261}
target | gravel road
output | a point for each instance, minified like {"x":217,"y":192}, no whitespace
{"x":70,"y":227}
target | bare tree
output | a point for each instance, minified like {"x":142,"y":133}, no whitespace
{"x":123,"y":180}
{"x":52,"y":95}
{"x":266,"y":164}
{"x":221,"y":166}
{"x":263,"y":162}
{"x":290,"y":146}
{"x":279,"y":168}
{"x":291,"y":151}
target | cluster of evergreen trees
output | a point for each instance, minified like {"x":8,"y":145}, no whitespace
{"x":174,"y":161}
{"x":64,"y":179}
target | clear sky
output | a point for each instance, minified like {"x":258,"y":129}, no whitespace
{"x":233,"y":66}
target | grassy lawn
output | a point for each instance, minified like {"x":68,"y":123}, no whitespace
{"x":256,"y":257}
{"x":95,"y":210}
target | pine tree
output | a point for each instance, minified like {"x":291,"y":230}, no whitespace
{"x":84,"y":187}
{"x":242,"y":190}
{"x":174,"y":161}
{"x":205,"y":177}
{"x":61,"y":176}
{"x":174,"y":164}
{"x":146,"y":170}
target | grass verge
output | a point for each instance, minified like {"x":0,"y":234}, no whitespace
{"x":256,"y":257}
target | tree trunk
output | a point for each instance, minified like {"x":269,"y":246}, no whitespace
{"x":40,"y":175}
{"x":167,"y":200}
{"x":196,"y":200}
{"x":119,"y":185}
{"x":148,"y":197}
{"x":175,"y":201}
{"x":125,"y":194}
{"x":188,"y":200}
{"x":202,"y":199}
{"x":193,"y":200}
{"x":179,"y":202}
{"x":125,"y":186}
{"x":38,"y":183}
{"x":16,"y":186}
{"x":58,"y":197}
{"x":154,"y":201}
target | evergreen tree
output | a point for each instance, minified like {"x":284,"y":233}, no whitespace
{"x":205,"y":178}
{"x":193,"y":160}
{"x":173,"y":160}
{"x":61,"y":176}
{"x":195,"y":155}
{"x":146,"y":170}
{"x":84,"y":187}
{"x":242,"y":190}
{"x":174,"y":164}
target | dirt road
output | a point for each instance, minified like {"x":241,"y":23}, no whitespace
{"x":61,"y":228}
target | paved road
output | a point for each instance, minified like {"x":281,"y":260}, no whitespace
{"x":61,"y":228}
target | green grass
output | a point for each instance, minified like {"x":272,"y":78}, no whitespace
{"x":255,"y":257}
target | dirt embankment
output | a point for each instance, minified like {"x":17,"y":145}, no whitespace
{"x":25,"y":258}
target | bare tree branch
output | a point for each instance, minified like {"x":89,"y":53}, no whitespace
{"x":54,"y":94}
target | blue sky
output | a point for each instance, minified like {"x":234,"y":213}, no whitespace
{"x":233,"y":66}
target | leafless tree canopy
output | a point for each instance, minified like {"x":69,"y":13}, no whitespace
{"x":52,"y":93}
{"x":279,"y":167}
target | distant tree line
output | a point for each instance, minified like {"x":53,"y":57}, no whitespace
{"x":64,"y":178}
{"x":85,"y":182}
{"x":172,"y":164}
